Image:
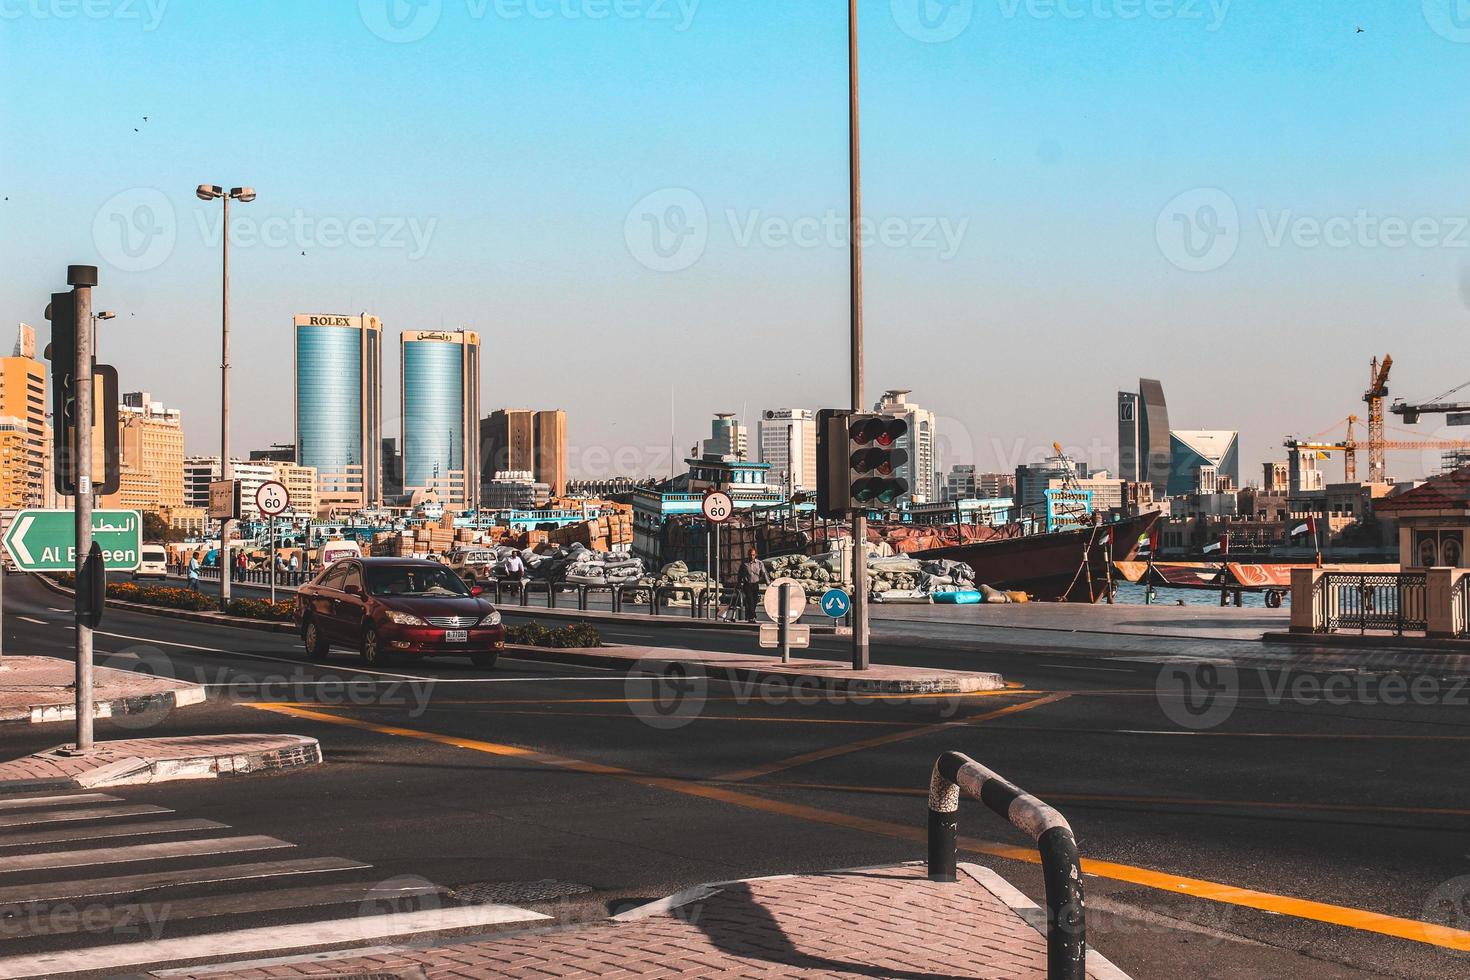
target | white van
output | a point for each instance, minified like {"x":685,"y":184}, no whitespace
{"x":154,"y":563}
{"x":331,"y":551}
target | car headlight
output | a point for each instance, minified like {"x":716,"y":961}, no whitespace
{"x":405,"y":619}
{"x":491,"y":620}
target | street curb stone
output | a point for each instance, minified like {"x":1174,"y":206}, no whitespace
{"x":132,"y":762}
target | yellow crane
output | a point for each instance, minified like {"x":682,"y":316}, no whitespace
{"x":1374,"y":396}
{"x":1349,"y":446}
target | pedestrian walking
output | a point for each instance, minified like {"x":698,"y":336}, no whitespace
{"x":749,"y":578}
{"x":194,"y":572}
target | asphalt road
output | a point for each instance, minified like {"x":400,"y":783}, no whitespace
{"x":1320,"y":832}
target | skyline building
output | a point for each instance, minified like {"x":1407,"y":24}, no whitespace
{"x":24,"y":478}
{"x":727,"y":437}
{"x":339,"y":406}
{"x":787,"y":439}
{"x":1144,"y":450}
{"x":519,"y":440}
{"x":1192,"y":450}
{"x":151,"y":449}
{"x":440,"y":400}
{"x":201,"y":471}
{"x":919,"y":471}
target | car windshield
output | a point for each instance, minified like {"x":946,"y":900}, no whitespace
{"x":411,"y":580}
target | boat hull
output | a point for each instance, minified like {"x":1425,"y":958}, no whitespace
{"x":1063,"y":566}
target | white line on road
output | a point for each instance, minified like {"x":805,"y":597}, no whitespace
{"x":138,"y":852}
{"x":264,"y":939}
{"x":24,"y":801}
{"x":1111,"y":670}
{"x":30,"y":619}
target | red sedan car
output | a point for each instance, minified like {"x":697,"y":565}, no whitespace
{"x":387,"y":608}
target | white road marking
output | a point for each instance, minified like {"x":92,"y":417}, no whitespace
{"x":55,"y":891}
{"x":94,"y":832}
{"x":20,"y":801}
{"x":160,"y":851}
{"x":87,"y":813}
{"x":267,"y":938}
{"x":1111,"y":670}
{"x":32,"y":619}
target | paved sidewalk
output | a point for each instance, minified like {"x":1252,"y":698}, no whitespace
{"x":766,"y":668}
{"x":156,"y":760}
{"x":877,"y":922}
{"x":39,"y":689}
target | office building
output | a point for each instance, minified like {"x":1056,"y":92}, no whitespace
{"x":151,"y":456}
{"x":300,"y":484}
{"x":392,"y":470}
{"x":919,"y":443}
{"x":339,"y":411}
{"x":512,"y":490}
{"x":788,"y":442}
{"x":1192,"y":449}
{"x":1032,"y":480}
{"x":201,"y":471}
{"x":1144,"y":452}
{"x":23,"y":405}
{"x":525,"y":441}
{"x":440,"y":372}
{"x":961,"y":483}
{"x":281,"y":452}
{"x":728,"y":438}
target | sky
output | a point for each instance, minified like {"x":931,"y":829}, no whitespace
{"x":641,"y":205}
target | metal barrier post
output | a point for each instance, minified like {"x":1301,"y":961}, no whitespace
{"x":1066,"y":926}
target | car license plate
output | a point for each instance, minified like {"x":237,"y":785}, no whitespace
{"x":456,"y":636}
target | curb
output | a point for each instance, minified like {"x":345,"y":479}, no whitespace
{"x":966,"y":682}
{"x":137,"y":770}
{"x":38,"y":714}
{"x":189,"y":615}
{"x":1357,"y":641}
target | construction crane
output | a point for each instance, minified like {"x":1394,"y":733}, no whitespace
{"x":1349,"y":446}
{"x":1438,"y":405}
{"x":1374,"y":396}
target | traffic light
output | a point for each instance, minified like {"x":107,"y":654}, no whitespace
{"x":875,"y":462}
{"x":105,"y":404}
{"x":832,"y":463}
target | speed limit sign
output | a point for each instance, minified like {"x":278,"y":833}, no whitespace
{"x":272,"y":498}
{"x":718,"y":507}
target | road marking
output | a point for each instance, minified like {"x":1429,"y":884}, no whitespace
{"x":848,"y":748}
{"x":818,"y":696}
{"x":32,"y":619}
{"x":1110,"y":670}
{"x":86,"y":813}
{"x":161,"y":851}
{"x":27,"y":801}
{"x":1359,"y":919}
{"x":55,"y":891}
{"x":94,"y":832}
{"x":274,"y":938}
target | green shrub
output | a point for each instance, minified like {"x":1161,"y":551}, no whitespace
{"x":575,"y":636}
{"x":281,"y":611}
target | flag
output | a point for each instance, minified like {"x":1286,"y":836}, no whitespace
{"x":1307,"y":527}
{"x":1222,"y":546}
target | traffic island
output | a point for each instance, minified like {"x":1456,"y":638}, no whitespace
{"x":41,"y":689}
{"x":128,"y":762}
{"x":871,"y":922}
{"x":743,"y":668}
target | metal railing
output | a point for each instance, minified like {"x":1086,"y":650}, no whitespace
{"x":1389,"y":601}
{"x":258,"y":576}
{"x":1460,"y":606}
{"x":1066,"y":925}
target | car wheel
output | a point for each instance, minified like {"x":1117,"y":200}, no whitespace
{"x":484,"y":661}
{"x":317,"y":647}
{"x":372,"y":648}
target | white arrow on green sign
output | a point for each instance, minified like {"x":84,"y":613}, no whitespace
{"x":46,"y":540}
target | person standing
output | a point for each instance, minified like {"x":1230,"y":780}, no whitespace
{"x":749,"y":578}
{"x":194,"y":572}
{"x":515,"y":569}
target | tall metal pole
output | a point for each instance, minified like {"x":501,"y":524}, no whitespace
{"x":855,"y":249}
{"x":226,"y":471}
{"x":81,"y":278}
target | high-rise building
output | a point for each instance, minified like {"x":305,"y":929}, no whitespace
{"x":300,"y":484}
{"x":392,"y":469}
{"x":151,"y":456}
{"x":919,"y":443}
{"x":961,"y":483}
{"x":788,"y":441}
{"x":441,"y":407}
{"x":1192,"y":449}
{"x":339,"y":410}
{"x":524,"y":441}
{"x":23,"y":400}
{"x":728,"y":438}
{"x":1128,"y":461}
{"x":201,"y":471}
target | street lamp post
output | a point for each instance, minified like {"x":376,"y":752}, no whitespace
{"x":210,"y":192}
{"x":860,"y":658}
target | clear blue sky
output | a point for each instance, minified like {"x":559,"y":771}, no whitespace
{"x":1050,"y":138}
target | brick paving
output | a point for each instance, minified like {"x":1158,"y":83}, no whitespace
{"x":39,"y":689}
{"x":155,"y":759}
{"x":880,"y":922}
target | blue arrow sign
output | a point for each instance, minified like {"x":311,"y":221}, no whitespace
{"x":836,"y":603}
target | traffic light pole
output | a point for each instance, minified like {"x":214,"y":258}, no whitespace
{"x":82,"y":278}
{"x":855,"y":250}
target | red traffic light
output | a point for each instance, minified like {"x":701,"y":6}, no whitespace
{"x":877,"y":429}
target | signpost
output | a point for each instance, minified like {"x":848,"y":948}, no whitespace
{"x":224,"y":500}
{"x":717,"y":507}
{"x":272,"y":499}
{"x":836,"y":603}
{"x":46,"y":540}
{"x":785,"y":601}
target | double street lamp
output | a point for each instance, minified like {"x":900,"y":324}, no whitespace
{"x":213,"y":192}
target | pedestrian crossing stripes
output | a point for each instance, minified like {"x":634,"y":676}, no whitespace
{"x":84,"y":877}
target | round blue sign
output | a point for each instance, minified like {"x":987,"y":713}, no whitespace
{"x":836,"y":603}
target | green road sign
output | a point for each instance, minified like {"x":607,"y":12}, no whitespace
{"x":46,"y":540}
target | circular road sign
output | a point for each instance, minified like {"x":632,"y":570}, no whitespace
{"x":718,"y":507}
{"x":272,"y":498}
{"x":795,"y":599}
{"x":836,"y":603}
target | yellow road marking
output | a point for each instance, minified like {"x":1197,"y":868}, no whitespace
{"x":847,"y":748}
{"x":1183,"y":801}
{"x":1359,"y":919}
